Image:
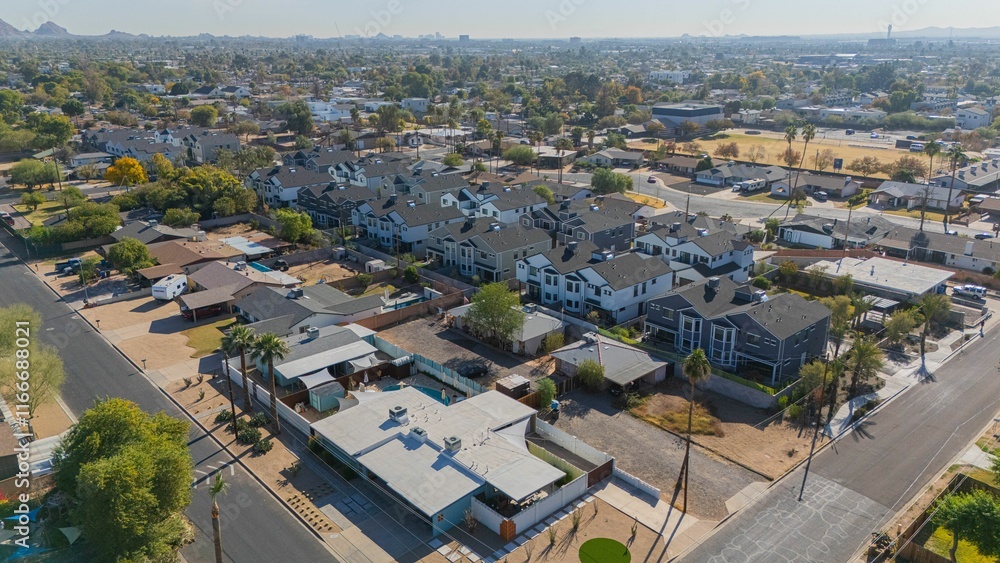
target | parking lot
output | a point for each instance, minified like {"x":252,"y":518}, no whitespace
{"x":453,"y":349}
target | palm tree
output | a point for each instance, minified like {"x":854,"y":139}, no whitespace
{"x":934,"y":307}
{"x":536,"y":138}
{"x":791,"y":133}
{"x":240,"y":339}
{"x":590,"y":139}
{"x":267,"y":348}
{"x":696,"y":368}
{"x":498,"y":136}
{"x":864,"y":359}
{"x":955,"y":156}
{"x":563,"y":145}
{"x":931,"y":149}
{"x":808,"y":133}
{"x":218,"y":487}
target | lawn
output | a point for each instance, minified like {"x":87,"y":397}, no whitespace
{"x":940,"y":543}
{"x":768,"y":198}
{"x":671,"y":413}
{"x":604,"y":550}
{"x":43,"y":213}
{"x":653,"y":202}
{"x":929,"y":217}
{"x":206,"y":339}
{"x":379,"y":289}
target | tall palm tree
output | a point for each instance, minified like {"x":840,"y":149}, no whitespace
{"x":864,"y":360}
{"x":791,"y":133}
{"x":218,"y":487}
{"x":590,"y":139}
{"x":498,"y":136}
{"x":240,"y":339}
{"x":931,"y":149}
{"x":696,"y":368}
{"x":933,"y":306}
{"x":808,"y":133}
{"x":955,"y":156}
{"x":563,"y":145}
{"x":267,"y":348}
{"x":536,"y":138}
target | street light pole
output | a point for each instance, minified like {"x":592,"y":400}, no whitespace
{"x":819,"y":419}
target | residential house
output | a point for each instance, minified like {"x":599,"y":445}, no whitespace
{"x":149,"y":232}
{"x":972,"y":118}
{"x":889,"y":279}
{"x":279,"y":186}
{"x":219,"y":284}
{"x":607,"y":222}
{"x":529,"y":338}
{"x":977,"y":177}
{"x":206,"y":92}
{"x":616,"y":158}
{"x":833,"y":186}
{"x":237,"y":92}
{"x":740,"y":327}
{"x":551,"y":158}
{"x":429,"y":187}
{"x":582,"y":278}
{"x":203,"y":148}
{"x":695,"y":254}
{"x":812,"y":231}
{"x":86,"y":158}
{"x":900,"y":194}
{"x":321,"y":354}
{"x":332,"y":205}
{"x":370,"y":171}
{"x":485,"y":248}
{"x":291,"y":311}
{"x":955,"y":252}
{"x":732,"y":173}
{"x":505,"y":204}
{"x":624,"y":365}
{"x":186,"y":257}
{"x":678,"y":113}
{"x":679,"y":164}
{"x":402,"y":226}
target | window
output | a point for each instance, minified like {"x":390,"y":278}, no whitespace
{"x":668,"y":314}
{"x":581,"y":235}
{"x":533,"y":271}
{"x":753,"y":339}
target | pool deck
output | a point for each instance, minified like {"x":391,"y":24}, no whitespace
{"x":418,"y":380}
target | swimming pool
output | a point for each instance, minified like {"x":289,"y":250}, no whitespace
{"x":432,"y":393}
{"x":259,"y":267}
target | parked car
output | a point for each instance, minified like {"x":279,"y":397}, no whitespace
{"x":201,"y":312}
{"x":752,"y":132}
{"x":974,"y":291}
{"x":7,"y":218}
{"x":849,"y":132}
{"x":651,"y":179}
{"x":983,"y":236}
{"x":821,"y":196}
{"x":281,"y":265}
{"x":911,"y":137}
{"x":473,"y":370}
{"x":874,"y":135}
{"x":951,"y":232}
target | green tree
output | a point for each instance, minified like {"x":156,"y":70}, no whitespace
{"x":240,"y":340}
{"x":180,"y":217}
{"x":204,"y":116}
{"x":46,"y":374}
{"x":607,"y":181}
{"x":900,"y":324}
{"x":295,"y":226}
{"x":71,"y":197}
{"x":935,"y":308}
{"x":129,"y":255}
{"x":591,"y":374}
{"x":128,"y":476}
{"x":789,"y":271}
{"x":31,"y":173}
{"x":697,"y":369}
{"x":760,"y":282}
{"x":32,"y":200}
{"x":495,"y":312}
{"x":545,"y":193}
{"x":453,"y":159}
{"x":50,"y":130}
{"x":73,"y":108}
{"x":864,"y":359}
{"x":841,"y":315}
{"x":411,"y":275}
{"x":973,"y":517}
{"x":553,"y":341}
{"x":562,"y":145}
{"x":546,"y":391}
{"x":521,"y":155}
{"x":956,"y":157}
{"x":268,"y":348}
{"x":298,"y":118}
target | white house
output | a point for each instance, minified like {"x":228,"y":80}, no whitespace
{"x":972,"y":118}
{"x":501,"y":203}
{"x":416,"y":105}
{"x":672,"y":76}
{"x":695,"y":254}
{"x":616,"y":158}
{"x":402,"y":225}
{"x":279,"y":186}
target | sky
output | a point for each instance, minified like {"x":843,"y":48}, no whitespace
{"x":497,"y":18}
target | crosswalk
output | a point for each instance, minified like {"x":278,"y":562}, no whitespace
{"x":206,"y":476}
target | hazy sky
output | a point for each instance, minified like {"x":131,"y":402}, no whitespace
{"x":499,"y":18}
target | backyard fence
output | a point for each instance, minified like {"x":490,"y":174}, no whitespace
{"x":122,"y":297}
{"x":261,"y":396}
{"x":570,"y":443}
{"x":384,"y":320}
{"x":528,"y":517}
{"x":437,"y":371}
{"x":264,"y":222}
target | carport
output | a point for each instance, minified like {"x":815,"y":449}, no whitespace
{"x":201,"y":299}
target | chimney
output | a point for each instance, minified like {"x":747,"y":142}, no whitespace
{"x":674,"y":227}
{"x":713,"y":283}
{"x":398,"y":414}
{"x":452,"y":445}
{"x":969,"y":248}
{"x":571,"y":247}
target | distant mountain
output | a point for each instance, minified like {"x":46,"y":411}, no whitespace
{"x":7,"y":30}
{"x":50,"y":29}
{"x":115,"y":34}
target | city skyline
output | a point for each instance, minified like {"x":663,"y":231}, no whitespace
{"x":517,"y":18}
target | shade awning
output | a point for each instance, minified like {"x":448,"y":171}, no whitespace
{"x":316,"y":379}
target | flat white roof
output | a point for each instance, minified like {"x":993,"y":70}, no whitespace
{"x":901,"y":277}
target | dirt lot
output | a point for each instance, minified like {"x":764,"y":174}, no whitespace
{"x":128,"y":313}
{"x":745,"y":437}
{"x":50,"y":420}
{"x":328,"y":270}
{"x":452,"y":348}
{"x":235,"y":230}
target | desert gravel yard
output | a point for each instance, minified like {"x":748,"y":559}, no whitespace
{"x":652,"y":454}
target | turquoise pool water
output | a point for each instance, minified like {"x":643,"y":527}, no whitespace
{"x":259,"y":267}
{"x":432,"y":393}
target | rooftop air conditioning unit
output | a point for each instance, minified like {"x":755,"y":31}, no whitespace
{"x":452,"y":444}
{"x":312,"y":333}
{"x":418,"y":434}
{"x":398,"y":414}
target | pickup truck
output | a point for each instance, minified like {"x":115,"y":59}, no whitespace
{"x":70,"y":266}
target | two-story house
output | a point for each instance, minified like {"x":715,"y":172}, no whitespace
{"x":402,"y":225}
{"x":496,"y":201}
{"x":741,"y":328}
{"x":369,"y":171}
{"x":607,"y":222}
{"x":279,"y":186}
{"x":485,"y":248}
{"x":583,"y":278}
{"x":424,"y":186}
{"x":332,"y":205}
{"x":694,"y":254}
{"x":204,"y":147}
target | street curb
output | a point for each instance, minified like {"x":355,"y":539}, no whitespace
{"x":236,"y":459}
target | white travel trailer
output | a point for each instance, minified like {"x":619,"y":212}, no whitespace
{"x":170,"y":287}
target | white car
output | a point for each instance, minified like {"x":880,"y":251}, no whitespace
{"x":974,"y":291}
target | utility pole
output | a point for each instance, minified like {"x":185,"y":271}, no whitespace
{"x":819,"y":419}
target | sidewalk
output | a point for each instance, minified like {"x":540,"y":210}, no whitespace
{"x":916,"y":371}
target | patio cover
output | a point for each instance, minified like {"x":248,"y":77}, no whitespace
{"x":316,"y":379}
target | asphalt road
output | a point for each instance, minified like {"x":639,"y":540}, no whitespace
{"x":255,"y":526}
{"x":860,"y":482}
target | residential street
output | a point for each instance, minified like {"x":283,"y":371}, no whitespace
{"x":255,"y":526}
{"x":858,"y":483}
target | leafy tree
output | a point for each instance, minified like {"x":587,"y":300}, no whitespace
{"x":545,"y":193}
{"x":303,"y":143}
{"x":268,"y":348}
{"x":771,"y":226}
{"x":866,"y":166}
{"x":900,"y":324}
{"x":365,"y":280}
{"x":591,"y":374}
{"x":906,"y":169}
{"x":11,"y":105}
{"x":50,"y":130}
{"x":727,"y":150}
{"x":47,"y":373}
{"x":244,"y":129}
{"x":761,"y":282}
{"x":823,"y":159}
{"x":972,"y":516}
{"x":453,"y":159}
{"x":31,"y":173}
{"x":546,"y":391}
{"x":496,"y":313}
{"x":789,"y":270}
{"x":697,"y":369}
{"x":71,"y":197}
{"x":32,"y":200}
{"x":864,"y":359}
{"x":841,"y":314}
{"x":126,"y":171}
{"x":73,"y":108}
{"x":204,"y":116}
{"x":180,"y":217}
{"x":411,"y":275}
{"x":295,"y":226}
{"x":554,"y":341}
{"x":521,"y":155}
{"x":128,"y":476}
{"x":162,"y":167}
{"x":689,"y":128}
{"x":606,"y":181}
{"x":129,"y":255}
{"x":298,"y":118}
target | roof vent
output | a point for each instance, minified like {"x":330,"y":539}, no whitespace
{"x":595,"y":208}
{"x":571,"y":246}
{"x":296,"y":293}
{"x":153,"y":222}
{"x":530,"y":308}
{"x":398,"y":414}
{"x":759,"y":296}
{"x":312,"y":333}
{"x":713,"y":283}
{"x":418,"y":434}
{"x":674,"y":227}
{"x":452,"y":444}
{"x":495,"y":227}
{"x":703,"y":232}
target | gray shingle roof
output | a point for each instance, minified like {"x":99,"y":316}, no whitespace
{"x":481,"y":235}
{"x":630,"y":269}
{"x":268,"y":303}
{"x":564,"y":260}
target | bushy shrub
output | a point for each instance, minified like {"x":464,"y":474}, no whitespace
{"x":224,"y":416}
{"x":248,"y":436}
{"x":258,"y":420}
{"x":263,"y":446}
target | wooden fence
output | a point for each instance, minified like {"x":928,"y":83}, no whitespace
{"x":391,"y":318}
